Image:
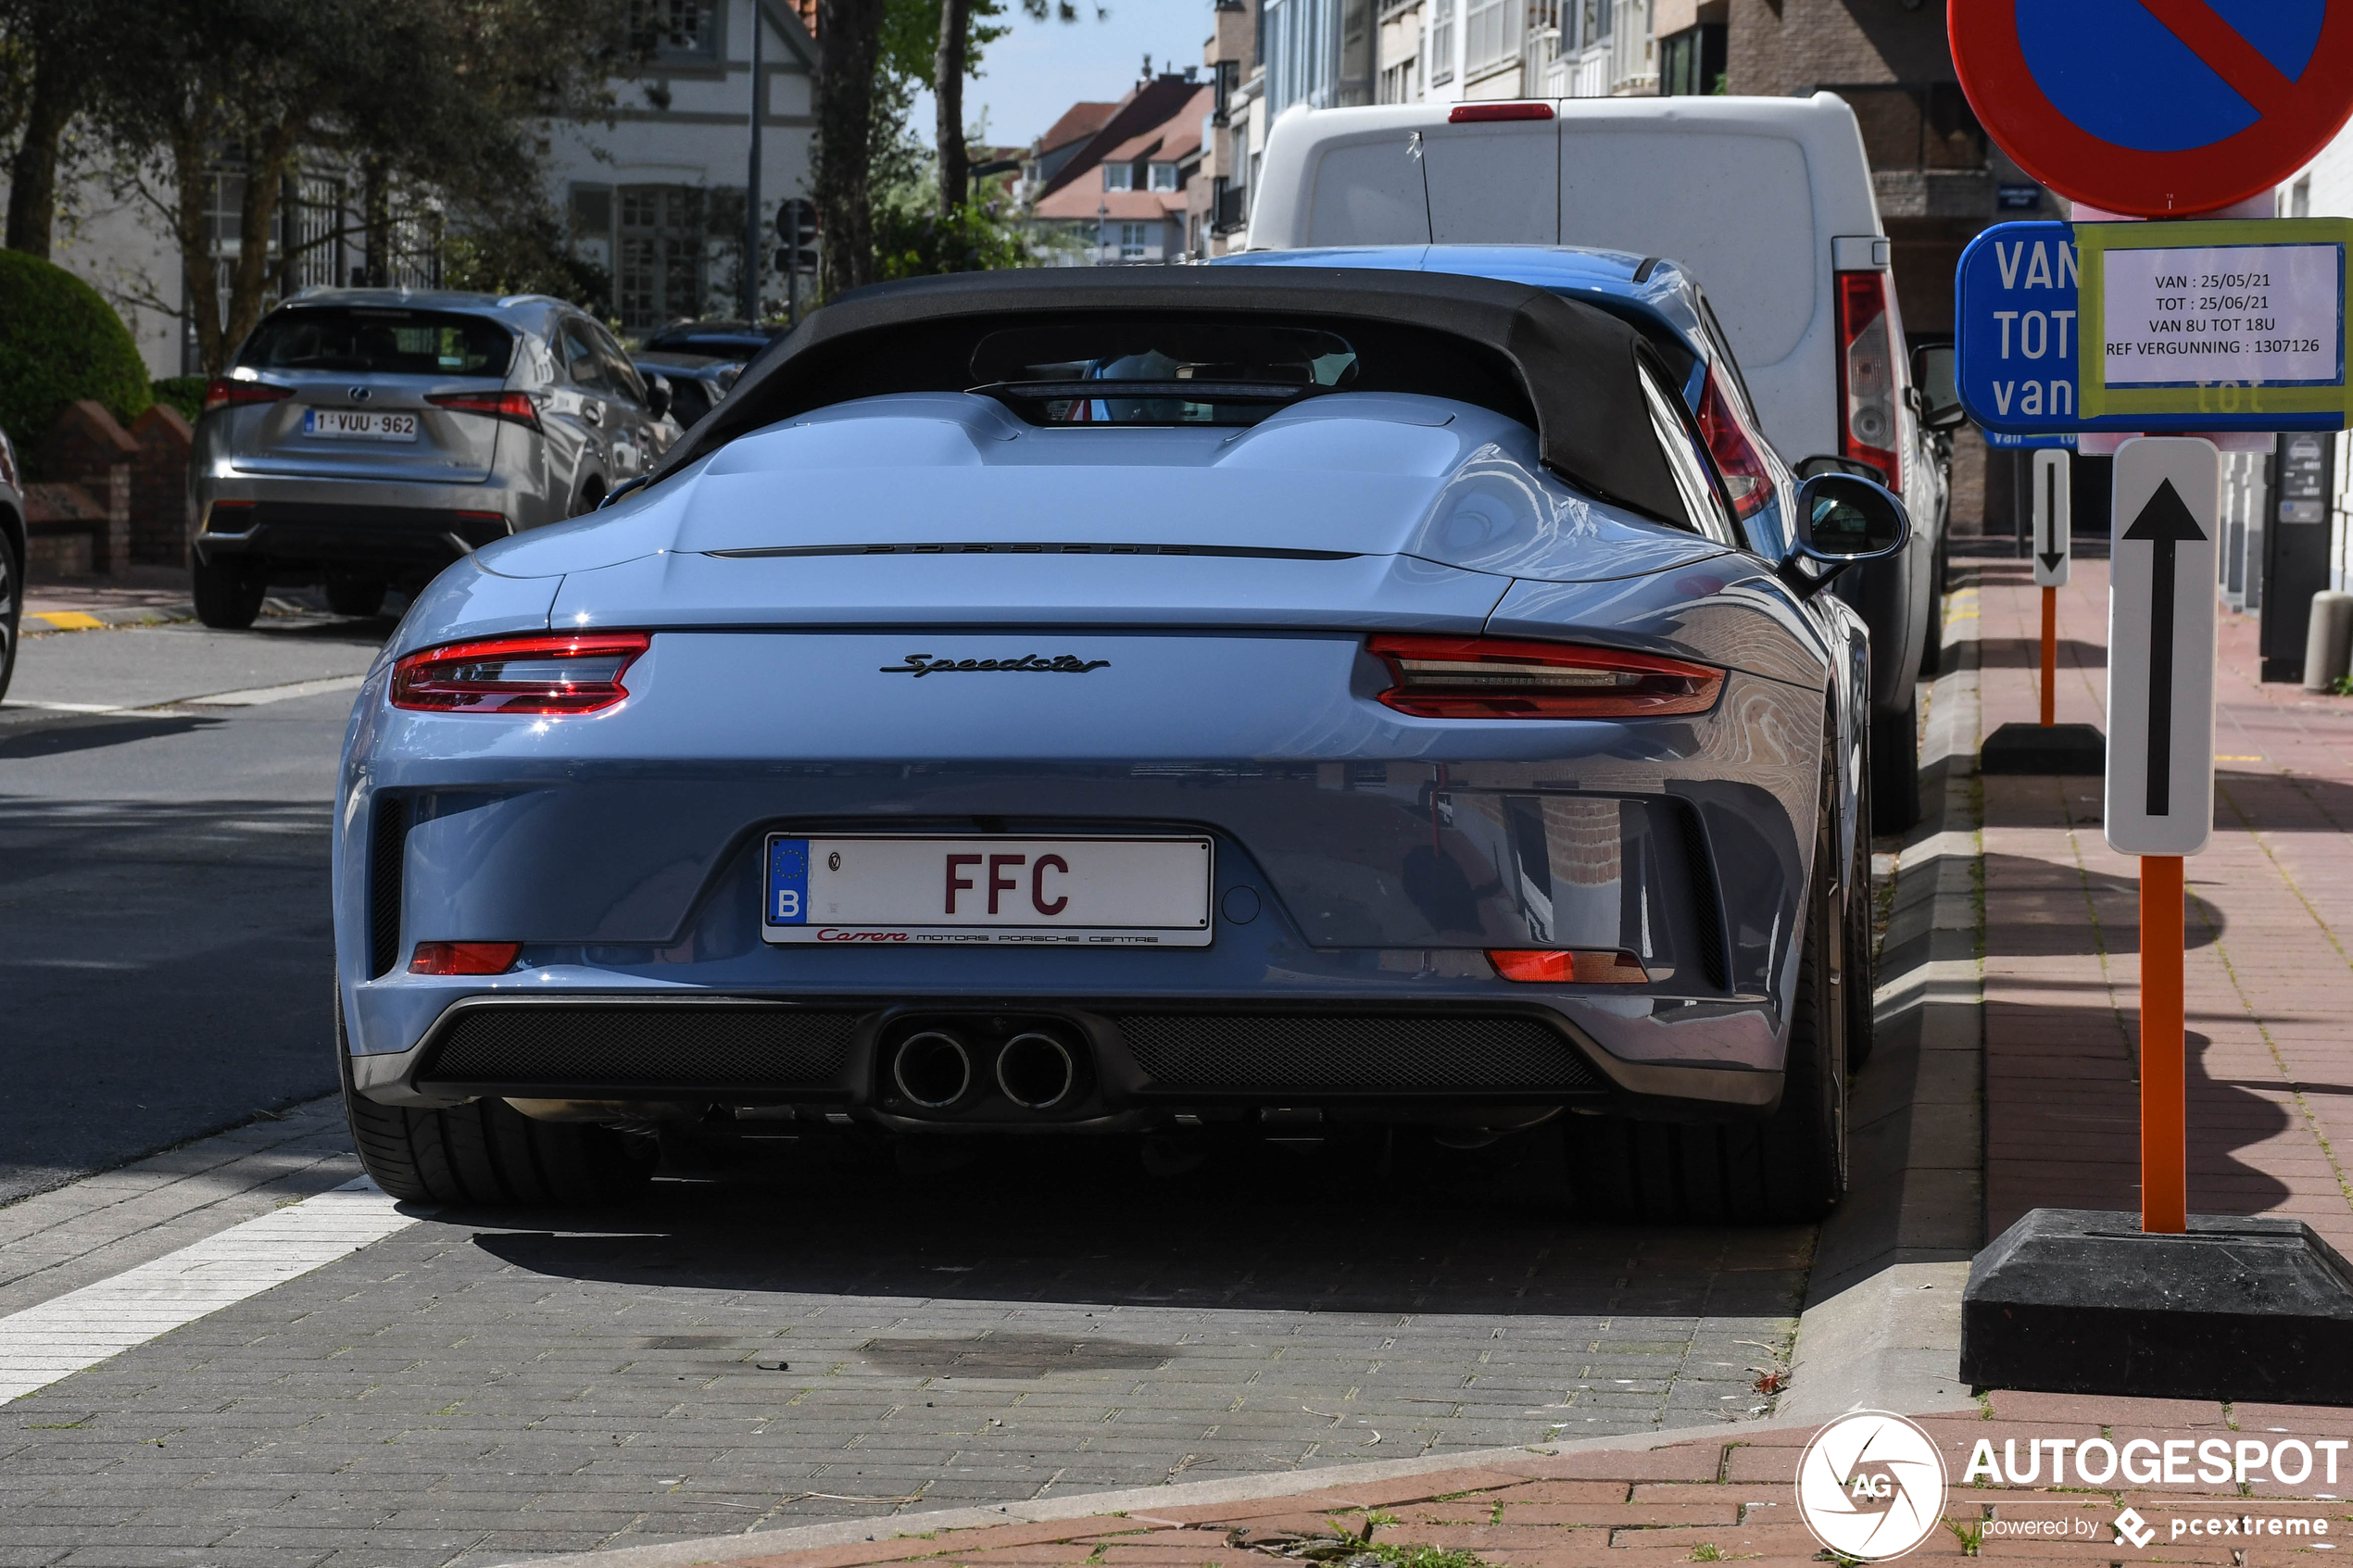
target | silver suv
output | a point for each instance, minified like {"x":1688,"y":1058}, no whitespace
{"x":366,"y":438}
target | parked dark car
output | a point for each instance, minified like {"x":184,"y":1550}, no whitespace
{"x":12,"y":557}
{"x":739,"y":341}
{"x":696,"y":380}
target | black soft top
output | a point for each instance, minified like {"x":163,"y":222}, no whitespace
{"x":1565,"y":368}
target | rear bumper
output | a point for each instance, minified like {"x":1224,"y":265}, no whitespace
{"x":1143,"y":1060}
{"x":398,"y":539}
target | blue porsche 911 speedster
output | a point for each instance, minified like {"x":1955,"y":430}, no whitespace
{"x":1187,"y":703}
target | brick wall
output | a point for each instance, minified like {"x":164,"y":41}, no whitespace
{"x":161,"y":515}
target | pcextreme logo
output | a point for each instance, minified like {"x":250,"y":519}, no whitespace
{"x":1870,"y":1486}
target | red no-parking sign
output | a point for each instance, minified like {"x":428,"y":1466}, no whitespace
{"x":2156,"y":108}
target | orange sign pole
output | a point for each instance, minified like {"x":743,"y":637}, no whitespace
{"x":2165,"y":1181}
{"x":2050,"y":656}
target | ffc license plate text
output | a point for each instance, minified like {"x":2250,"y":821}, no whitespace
{"x":1061,"y":892}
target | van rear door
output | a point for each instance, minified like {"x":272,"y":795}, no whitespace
{"x":1495,"y":182}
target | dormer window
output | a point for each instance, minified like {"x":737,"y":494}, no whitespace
{"x":1164,"y":176}
{"x":1119,"y":177}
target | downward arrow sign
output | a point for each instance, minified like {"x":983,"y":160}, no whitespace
{"x":2051,"y":554}
{"x":2166,"y":522}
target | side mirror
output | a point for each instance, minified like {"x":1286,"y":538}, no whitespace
{"x":1842,"y":519}
{"x":1934,"y":378}
{"x":657,"y":395}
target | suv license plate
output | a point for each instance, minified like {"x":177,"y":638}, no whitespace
{"x":1035,"y":892}
{"x":354,"y":424}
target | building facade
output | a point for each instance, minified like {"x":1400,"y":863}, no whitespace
{"x":1123,"y":196}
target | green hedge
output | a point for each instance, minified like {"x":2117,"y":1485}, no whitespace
{"x":63,"y":343}
{"x":183,"y":392}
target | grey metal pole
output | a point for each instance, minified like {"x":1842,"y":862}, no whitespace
{"x":751,"y":184}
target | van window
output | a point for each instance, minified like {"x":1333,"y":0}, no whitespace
{"x":1371,"y":194}
{"x":387,"y":342}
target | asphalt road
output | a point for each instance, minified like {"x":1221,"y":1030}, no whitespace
{"x":164,"y":945}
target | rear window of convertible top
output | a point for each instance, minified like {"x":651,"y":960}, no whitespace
{"x":382,"y":341}
{"x":1147,"y":373}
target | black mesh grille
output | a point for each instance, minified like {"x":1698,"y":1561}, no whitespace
{"x":1352,"y":1053}
{"x":387,"y":847}
{"x":644,"y":1045}
{"x":1709,"y":919}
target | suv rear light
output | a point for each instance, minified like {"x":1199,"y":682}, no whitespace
{"x":515,"y":408}
{"x":1489,"y":678}
{"x":529,"y":675}
{"x":1471,"y":114}
{"x":1746,"y":480}
{"x":1561,"y":966}
{"x":1867,"y":374}
{"x":223,"y":392}
{"x":464,"y":957}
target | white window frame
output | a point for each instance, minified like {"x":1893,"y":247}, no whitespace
{"x":1132,"y":241}
{"x":1161,"y":176}
{"x":1119,"y":177}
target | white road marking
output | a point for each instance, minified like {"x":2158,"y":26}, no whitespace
{"x":255,"y":696}
{"x":66,"y":707}
{"x":69,"y":1333}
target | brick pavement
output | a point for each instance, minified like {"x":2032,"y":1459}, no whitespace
{"x":1720,"y":1498}
{"x":1043,"y":1326}
{"x":2269,"y":980}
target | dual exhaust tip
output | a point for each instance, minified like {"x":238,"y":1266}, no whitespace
{"x":1035,"y":1070}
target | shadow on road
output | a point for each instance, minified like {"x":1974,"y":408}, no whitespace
{"x":71,"y":733}
{"x":1369,"y":1223}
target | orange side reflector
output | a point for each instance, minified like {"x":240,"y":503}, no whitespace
{"x":1563,"y":966}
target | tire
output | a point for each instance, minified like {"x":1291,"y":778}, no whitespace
{"x":486,"y":1154}
{"x":1860,"y":980}
{"x":227,"y":592}
{"x":1932,"y":639}
{"x":11,"y":609}
{"x":592,"y":495}
{"x":1895,"y":770}
{"x":355,"y":596}
{"x":1788,"y":1170}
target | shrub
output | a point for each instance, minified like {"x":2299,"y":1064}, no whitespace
{"x":64,"y":343}
{"x":183,"y":392}
{"x":910,"y":243}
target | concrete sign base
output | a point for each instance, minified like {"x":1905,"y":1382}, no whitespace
{"x":2082,"y":1302}
{"x":2065,"y":750}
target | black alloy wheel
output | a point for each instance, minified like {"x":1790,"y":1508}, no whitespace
{"x":1895,"y":769}
{"x":488,"y":1154}
{"x":1791,"y":1169}
{"x":11,"y":609}
{"x":228,"y":591}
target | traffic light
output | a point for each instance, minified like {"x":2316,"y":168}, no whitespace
{"x":796,"y":227}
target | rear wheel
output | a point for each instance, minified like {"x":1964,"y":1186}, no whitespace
{"x":1787,"y":1170}
{"x":11,"y":609}
{"x":1895,"y":770}
{"x":228,"y":591}
{"x":488,"y":1154}
{"x":355,"y":596}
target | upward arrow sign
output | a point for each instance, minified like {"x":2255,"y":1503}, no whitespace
{"x":2166,"y":522}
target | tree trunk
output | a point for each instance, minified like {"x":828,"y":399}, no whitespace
{"x":948,"y":93}
{"x":33,"y":173}
{"x":265,"y":178}
{"x":375,"y":207}
{"x":851,"y":31}
{"x":199,"y":275}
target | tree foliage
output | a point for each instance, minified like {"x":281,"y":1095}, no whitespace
{"x":64,"y":344}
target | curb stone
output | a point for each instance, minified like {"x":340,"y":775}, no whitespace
{"x":142,"y":615}
{"x":1866,"y":1337}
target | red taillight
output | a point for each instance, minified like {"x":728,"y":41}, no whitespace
{"x":1746,"y":480}
{"x":1556,"y":966}
{"x":223,"y":392}
{"x":464,"y":957}
{"x":1867,"y":374}
{"x":515,"y":408}
{"x":1489,"y":678}
{"x":532,"y":674}
{"x":1471,"y":114}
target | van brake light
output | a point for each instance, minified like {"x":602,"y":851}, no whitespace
{"x":1867,"y":375}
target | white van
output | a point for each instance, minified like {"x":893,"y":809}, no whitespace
{"x":1767,"y":201}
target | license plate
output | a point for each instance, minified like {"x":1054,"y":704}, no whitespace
{"x":354,"y":424}
{"x":1040,"y":892}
